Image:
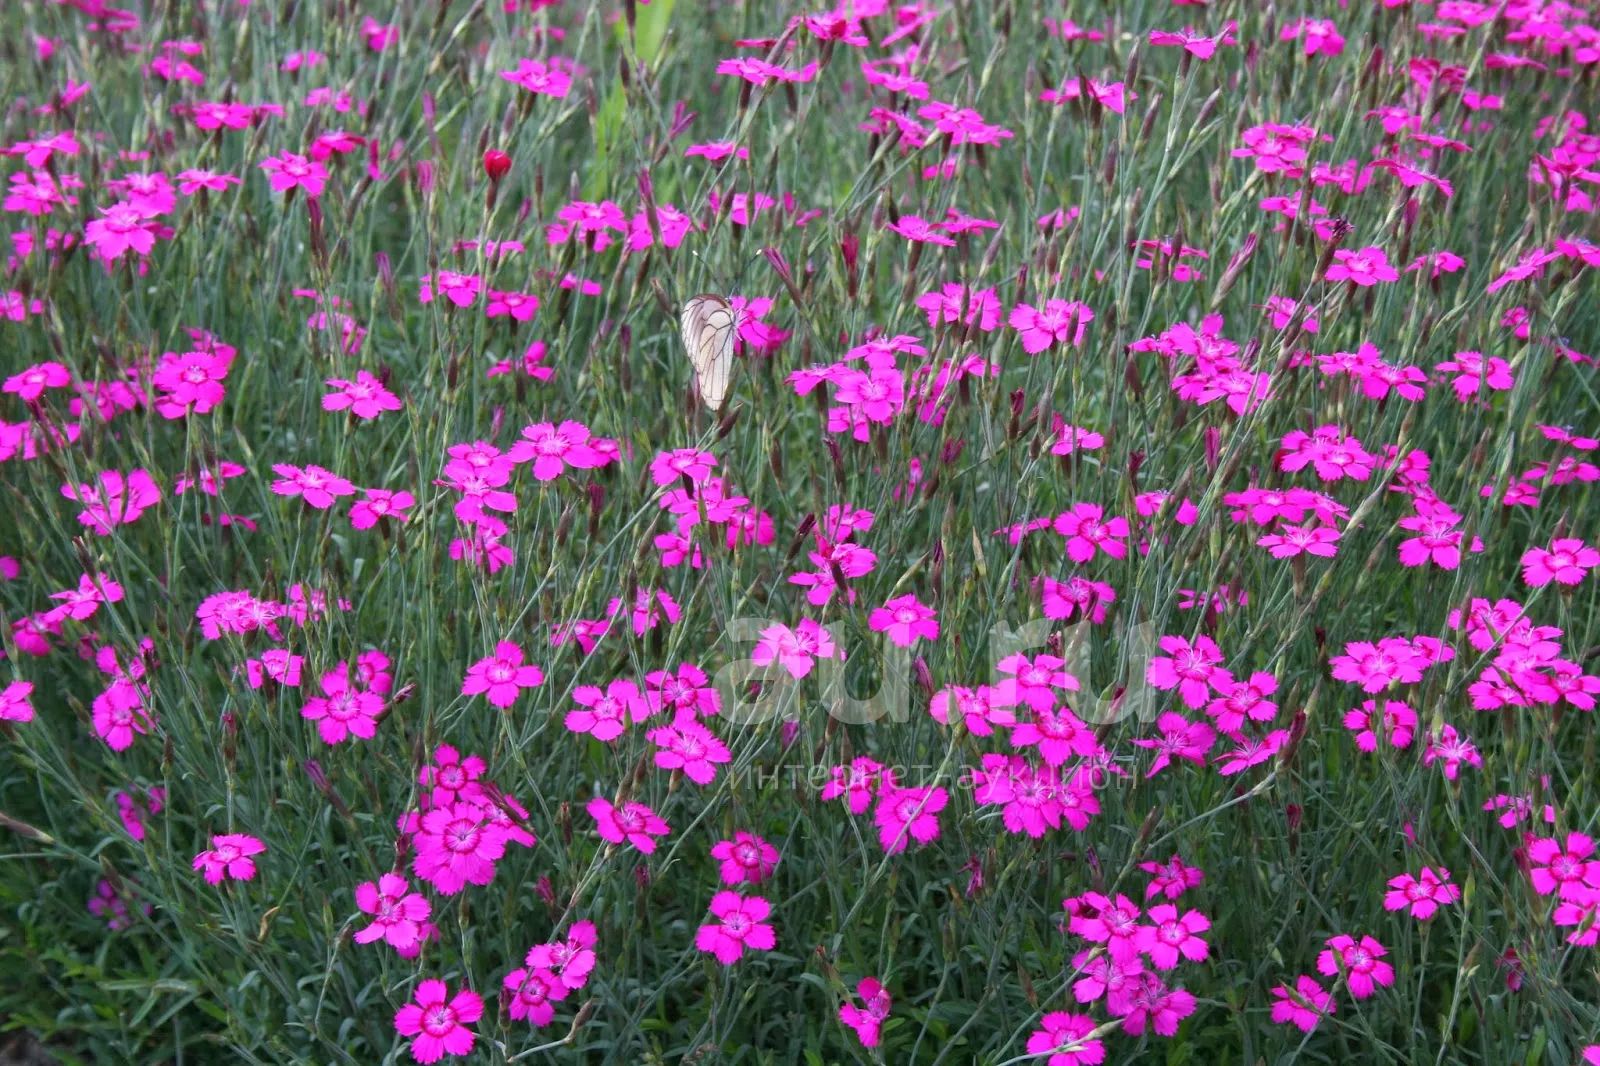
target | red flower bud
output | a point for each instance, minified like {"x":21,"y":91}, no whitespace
{"x":496,"y":164}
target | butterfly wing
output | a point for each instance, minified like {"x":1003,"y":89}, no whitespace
{"x":708,"y":323}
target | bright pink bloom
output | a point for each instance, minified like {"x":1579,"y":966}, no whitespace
{"x":745,"y":859}
{"x":1364,"y":267}
{"x":632,"y":823}
{"x":438,"y":1022}
{"x":365,"y":397}
{"x":1192,"y":669}
{"x":551,"y":449}
{"x":1361,"y":962}
{"x":1565,"y":562}
{"x":1566,"y":869}
{"x":741,"y":925}
{"x":380,"y":504}
{"x":1064,"y":1038}
{"x":398,"y":914}
{"x":502,"y":676}
{"x":317,"y":486}
{"x":912,"y":813}
{"x":1088,"y":530}
{"x":906,"y":619}
{"x":229,"y":857}
{"x":1302,"y":1006}
{"x":458,"y":844}
{"x":796,"y":650}
{"x":1423,"y":894}
{"x":291,"y":170}
{"x":1059,"y":322}
{"x":867,"y":1020}
{"x":689,"y":746}
{"x":15,"y":704}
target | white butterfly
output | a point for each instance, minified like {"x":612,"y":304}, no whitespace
{"x":708,"y":323}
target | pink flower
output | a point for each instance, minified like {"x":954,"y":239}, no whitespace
{"x":1397,"y":723}
{"x":796,"y":650}
{"x":605,"y":715}
{"x":1180,"y":739}
{"x":1172,"y":878}
{"x":867,"y":1020}
{"x":689,"y":746}
{"x":741,"y":925}
{"x":290,"y":170}
{"x":1302,"y":1006}
{"x":1361,"y":962}
{"x":1087,"y":531}
{"x":1474,"y":371}
{"x":913,"y":812}
{"x":1171,"y":938}
{"x":1060,"y":322}
{"x":745,"y":858}
{"x":906,"y":620}
{"x":1290,"y":541}
{"x":502,"y":676}
{"x":317,"y":486}
{"x":1423,"y":894}
{"x":229,"y":857}
{"x":29,"y":384}
{"x":1064,"y":1038}
{"x":551,"y":449}
{"x":380,"y":504}
{"x":632,"y":823}
{"x":1565,"y":870}
{"x":115,"y":500}
{"x":398,"y":914}
{"x":1192,"y":669}
{"x":1452,"y":749}
{"x":458,"y":844}
{"x":570,"y":960}
{"x":438,"y":1022}
{"x":125,"y":227}
{"x":1566,"y":562}
{"x":539,"y":78}
{"x":15,"y":704}
{"x":365,"y":397}
{"x":451,"y":777}
{"x":533,"y":991}
{"x":343,"y":711}
{"x":1364,"y":267}
{"x":119,"y":713}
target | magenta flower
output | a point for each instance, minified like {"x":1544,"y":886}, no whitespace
{"x":1452,"y":750}
{"x":458,"y":844}
{"x":1565,"y":870}
{"x":796,"y":650}
{"x":123,"y":227}
{"x":114,"y":500}
{"x":502,"y":676}
{"x":30,"y":384}
{"x":1087,"y":531}
{"x":551,"y":449}
{"x":745,"y":859}
{"x":605,"y":715}
{"x":1361,"y":962}
{"x":1290,"y":541}
{"x":1304,"y":1005}
{"x":290,"y":170}
{"x":398,"y":914}
{"x":1064,"y":1038}
{"x":867,"y":1020}
{"x":539,"y":78}
{"x":1172,"y":938}
{"x":317,"y":486}
{"x":343,"y":711}
{"x":632,"y":823}
{"x":912,"y":813}
{"x":365,"y":397}
{"x":15,"y":702}
{"x":570,"y":960}
{"x":1059,"y":322}
{"x":1565,"y":562}
{"x":1366,"y":266}
{"x":741,"y":925}
{"x":1396,"y":722}
{"x":1474,"y":371}
{"x":1192,"y":669}
{"x":689,"y":746}
{"x":1180,"y":739}
{"x":1172,"y":878}
{"x":906,"y":619}
{"x":1376,"y":666}
{"x":229,"y":857}
{"x":438,"y":1022}
{"x":533,"y":992}
{"x":1423,"y":894}
{"x":380,"y":504}
{"x":119,"y":713}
